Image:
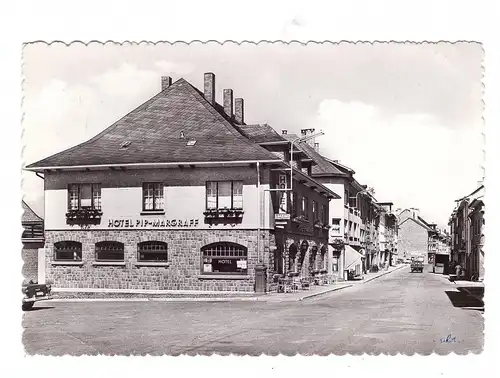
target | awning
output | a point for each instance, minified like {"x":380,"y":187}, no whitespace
{"x":352,"y":257}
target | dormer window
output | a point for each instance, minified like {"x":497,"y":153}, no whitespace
{"x":125,"y":145}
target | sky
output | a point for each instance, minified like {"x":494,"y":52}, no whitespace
{"x":406,"y":117}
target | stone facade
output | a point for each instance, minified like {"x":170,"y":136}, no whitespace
{"x":30,"y":260}
{"x":184,"y":260}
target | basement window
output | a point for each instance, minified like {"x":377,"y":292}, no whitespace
{"x":191,"y":142}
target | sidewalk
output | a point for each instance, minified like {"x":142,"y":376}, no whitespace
{"x":372,"y":276}
{"x":97,"y":295}
{"x":89,"y":295}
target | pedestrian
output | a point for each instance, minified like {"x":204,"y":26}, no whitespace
{"x":458,"y":270}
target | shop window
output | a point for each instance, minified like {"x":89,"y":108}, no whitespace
{"x":152,"y":196}
{"x":84,"y":196}
{"x":68,"y":251}
{"x":152,"y":251}
{"x":224,"y":195}
{"x":109,"y":251}
{"x":224,"y":258}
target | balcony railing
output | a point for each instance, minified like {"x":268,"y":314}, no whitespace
{"x":33,"y":231}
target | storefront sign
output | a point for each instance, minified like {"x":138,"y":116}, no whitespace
{"x":282,"y":195}
{"x":281,"y":216}
{"x":153,"y":223}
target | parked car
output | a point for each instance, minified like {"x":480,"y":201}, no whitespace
{"x":417,"y":266}
{"x":34,"y":292}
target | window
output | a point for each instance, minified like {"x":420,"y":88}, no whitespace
{"x":335,"y":264}
{"x":315,"y":210}
{"x":84,"y":196}
{"x":152,"y":251}
{"x":109,"y":251}
{"x":68,"y":250}
{"x":305,"y":207}
{"x":224,"y":258}
{"x":295,"y":204}
{"x":346,"y":198}
{"x":152,"y":196}
{"x":224,"y":195}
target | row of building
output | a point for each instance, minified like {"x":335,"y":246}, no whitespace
{"x":183,"y":194}
{"x":419,"y":238}
{"x":467,"y":235}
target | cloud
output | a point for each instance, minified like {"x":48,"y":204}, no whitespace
{"x":169,"y":68}
{"x":410,"y":158}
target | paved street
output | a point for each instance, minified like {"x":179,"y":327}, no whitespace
{"x":399,"y":312}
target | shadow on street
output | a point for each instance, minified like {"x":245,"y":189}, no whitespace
{"x":469,"y":298}
{"x":40,"y":308}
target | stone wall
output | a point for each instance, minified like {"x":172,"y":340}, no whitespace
{"x":184,"y":258}
{"x":29,"y":255}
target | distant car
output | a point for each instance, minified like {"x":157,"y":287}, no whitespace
{"x":407,"y":261}
{"x":417,"y":266}
{"x":34,"y":292}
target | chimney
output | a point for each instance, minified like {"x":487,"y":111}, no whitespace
{"x":209,"y":89}
{"x":316,"y":147}
{"x":166,"y":81}
{"x":228,"y":102}
{"x":306,"y":132}
{"x":239,"y":112}
{"x":284,"y":132}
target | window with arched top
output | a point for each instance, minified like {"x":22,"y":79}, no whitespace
{"x":109,"y":251}
{"x":68,"y":251}
{"x":152,"y":251}
{"x":224,"y":258}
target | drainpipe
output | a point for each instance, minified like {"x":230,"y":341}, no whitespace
{"x":260,"y":213}
{"x":260,"y":268}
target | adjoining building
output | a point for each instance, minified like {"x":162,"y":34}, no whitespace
{"x":354,"y":235}
{"x":32,"y":239}
{"x":180,"y":194}
{"x":467,"y":234}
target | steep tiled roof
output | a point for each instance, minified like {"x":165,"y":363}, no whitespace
{"x":29,"y":216}
{"x":153,"y":134}
{"x":417,"y":222}
{"x":260,"y":133}
{"x":322,"y":166}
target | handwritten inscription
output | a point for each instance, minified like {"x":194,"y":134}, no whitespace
{"x":153,"y":223}
{"x":449,"y":339}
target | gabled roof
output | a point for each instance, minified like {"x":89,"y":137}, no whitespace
{"x":417,"y":222}
{"x":341,"y":167}
{"x":260,"y":133}
{"x":153,"y":133}
{"x":29,"y":216}
{"x":322,"y":167}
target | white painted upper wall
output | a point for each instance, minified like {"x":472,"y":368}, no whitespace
{"x":182,"y":203}
{"x":184,"y":198}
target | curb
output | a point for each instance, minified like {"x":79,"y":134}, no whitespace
{"x":383,"y":274}
{"x":179,"y":300}
{"x":324,"y":292}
